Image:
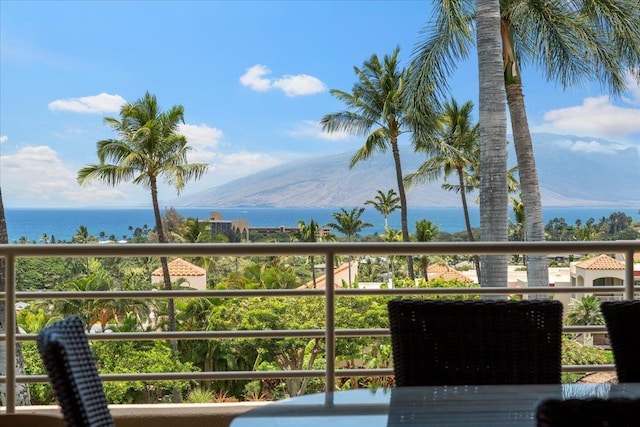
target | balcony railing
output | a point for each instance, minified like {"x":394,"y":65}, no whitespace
{"x":330,"y":333}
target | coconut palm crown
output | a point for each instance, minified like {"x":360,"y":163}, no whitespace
{"x":149,"y":147}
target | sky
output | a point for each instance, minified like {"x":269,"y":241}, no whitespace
{"x":253,"y":77}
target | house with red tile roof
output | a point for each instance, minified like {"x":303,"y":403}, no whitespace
{"x":193,"y":276}
{"x":436,"y":271}
{"x":340,"y":276}
{"x":601,"y":270}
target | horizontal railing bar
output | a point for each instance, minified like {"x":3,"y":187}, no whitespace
{"x":300,"y":333}
{"x":77,"y":295}
{"x":248,"y":375}
{"x":342,"y":248}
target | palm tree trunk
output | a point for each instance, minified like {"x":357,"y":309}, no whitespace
{"x":166,"y":276}
{"x":537,"y":265}
{"x":403,"y":203}
{"x":163,"y":260}
{"x":467,"y":221}
{"x":22,"y":396}
{"x":313,"y":270}
{"x":493,"y":134}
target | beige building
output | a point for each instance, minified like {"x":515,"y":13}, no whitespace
{"x":602,"y":270}
{"x":193,"y":276}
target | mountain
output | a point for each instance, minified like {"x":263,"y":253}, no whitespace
{"x":573,"y":171}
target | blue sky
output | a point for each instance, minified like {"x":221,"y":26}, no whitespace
{"x":253,"y":77}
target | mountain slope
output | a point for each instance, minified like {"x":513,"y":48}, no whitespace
{"x":573,"y":171}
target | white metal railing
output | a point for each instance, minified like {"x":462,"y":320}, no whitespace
{"x":329,"y":250}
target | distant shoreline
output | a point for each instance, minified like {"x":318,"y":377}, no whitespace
{"x":62,"y":223}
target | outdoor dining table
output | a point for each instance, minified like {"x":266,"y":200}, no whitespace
{"x":491,"y":405}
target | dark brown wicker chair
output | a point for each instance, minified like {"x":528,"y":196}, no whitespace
{"x":455,"y":342}
{"x":596,"y":412}
{"x":72,"y":371}
{"x":622,"y":319}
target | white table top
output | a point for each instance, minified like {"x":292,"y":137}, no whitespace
{"x":479,"y":406}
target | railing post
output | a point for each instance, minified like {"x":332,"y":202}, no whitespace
{"x":330,"y":327}
{"x":628,"y":276}
{"x":10,"y":332}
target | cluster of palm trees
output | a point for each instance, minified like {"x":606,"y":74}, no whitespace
{"x":572,"y":42}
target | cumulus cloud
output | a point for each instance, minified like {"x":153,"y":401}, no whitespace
{"x":312,"y":129}
{"x":301,"y":84}
{"x":3,"y":138}
{"x":254,"y":78}
{"x":292,"y":85}
{"x":592,"y":146}
{"x":596,"y":117}
{"x":204,"y":140}
{"x":96,"y":104}
{"x":36,"y":175}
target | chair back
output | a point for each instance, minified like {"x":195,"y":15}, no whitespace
{"x":622,"y":319}
{"x":594,"y":412}
{"x":465,"y":342}
{"x":73,"y":375}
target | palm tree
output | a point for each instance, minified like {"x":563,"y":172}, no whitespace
{"x":493,"y":134}
{"x":82,"y":235}
{"x":585,"y":311}
{"x":148,"y":147}
{"x":571,"y":41}
{"x":376,"y":109}
{"x":22,"y":396}
{"x":426,"y":231}
{"x":308,"y":233}
{"x":349,"y":224}
{"x":385,"y":203}
{"x":458,"y":151}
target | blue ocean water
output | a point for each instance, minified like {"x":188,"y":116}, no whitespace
{"x":62,"y":223}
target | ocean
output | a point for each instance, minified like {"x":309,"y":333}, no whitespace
{"x":62,"y":223}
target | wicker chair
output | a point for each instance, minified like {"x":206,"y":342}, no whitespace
{"x":595,"y":412}
{"x":72,"y":371}
{"x":621,"y":318}
{"x":455,"y":342}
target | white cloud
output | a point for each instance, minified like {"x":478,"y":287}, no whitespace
{"x":291,"y":85}
{"x":312,"y":129}
{"x":592,"y":146}
{"x":204,"y":140}
{"x":227,"y":167}
{"x":3,"y":139}
{"x":301,"y":84}
{"x":36,"y":176}
{"x":97,"y":104}
{"x":596,"y":117}
{"x":254,"y":79}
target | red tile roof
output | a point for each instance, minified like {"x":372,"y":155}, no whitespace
{"x":181,"y":268}
{"x":601,"y":262}
{"x":436,"y":271}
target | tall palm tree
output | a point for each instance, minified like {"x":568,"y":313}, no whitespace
{"x":493,"y":134}
{"x":376,"y":108}
{"x":148,"y":148}
{"x":385,"y":203}
{"x":426,"y":231}
{"x":458,"y":151}
{"x":349,"y":224}
{"x":572,"y":42}
{"x":449,"y":38}
{"x":22,"y":396}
